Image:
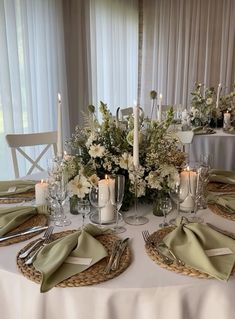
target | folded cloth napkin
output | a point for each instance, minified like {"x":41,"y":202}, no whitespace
{"x":190,"y":242}
{"x":224,"y":200}
{"x":12,"y":217}
{"x":220,"y":176}
{"x":21,"y":186}
{"x":54,"y":264}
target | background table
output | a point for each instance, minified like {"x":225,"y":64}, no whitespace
{"x":221,"y":145}
{"x":143,"y":291}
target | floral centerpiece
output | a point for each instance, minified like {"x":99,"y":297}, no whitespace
{"x":106,"y":148}
{"x":202,"y":105}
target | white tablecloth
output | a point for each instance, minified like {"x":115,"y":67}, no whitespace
{"x":143,"y":291}
{"x":220,"y":145}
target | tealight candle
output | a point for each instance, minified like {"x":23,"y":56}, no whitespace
{"x":106,"y":188}
{"x":188,"y":182}
{"x":41,"y":193}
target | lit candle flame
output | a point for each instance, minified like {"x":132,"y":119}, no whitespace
{"x":59,"y":97}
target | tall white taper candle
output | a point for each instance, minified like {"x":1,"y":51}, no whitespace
{"x":218,"y":94}
{"x":160,"y":108}
{"x":136,"y":137}
{"x":59,"y":127}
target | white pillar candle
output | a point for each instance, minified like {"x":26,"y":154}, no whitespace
{"x":136,"y":137}
{"x":106,"y":190}
{"x":218,"y":94}
{"x":59,"y":127}
{"x":188,"y":184}
{"x":227,"y":120}
{"x":160,"y":108}
{"x":41,"y":193}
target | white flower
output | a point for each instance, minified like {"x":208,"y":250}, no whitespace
{"x":78,"y":186}
{"x":94,"y":179}
{"x":209,"y":101}
{"x":126,"y":161}
{"x":96,"y":150}
{"x":154,"y":180}
{"x":91,"y":139}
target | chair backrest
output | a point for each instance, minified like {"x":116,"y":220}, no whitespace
{"x":17,"y":141}
{"x":185,"y":137}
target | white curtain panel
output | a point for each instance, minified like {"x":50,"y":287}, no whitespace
{"x":114,"y":52}
{"x":32,"y":71}
{"x":187,"y":41}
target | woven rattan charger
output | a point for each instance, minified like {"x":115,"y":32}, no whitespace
{"x":220,"y":187}
{"x":37,"y":220}
{"x":157,"y":237}
{"x":93,"y":275}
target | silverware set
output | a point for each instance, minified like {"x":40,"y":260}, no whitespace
{"x":31,"y":253}
{"x":118,"y":249}
{"x":166,"y":259}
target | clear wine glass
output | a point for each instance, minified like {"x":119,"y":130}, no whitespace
{"x":166,"y":206}
{"x":197,"y":197}
{"x":178,"y":194}
{"x":99,"y":198}
{"x":116,"y":201}
{"x":60,"y":189}
{"x":83,"y":207}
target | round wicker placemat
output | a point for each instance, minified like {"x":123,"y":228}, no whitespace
{"x":93,"y":275}
{"x":221,"y":211}
{"x":157,"y":237}
{"x":37,"y":220}
{"x":220,"y":187}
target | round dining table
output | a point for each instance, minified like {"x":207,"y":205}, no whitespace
{"x":220,"y":144}
{"x":143,"y":291}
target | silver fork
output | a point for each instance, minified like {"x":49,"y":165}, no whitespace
{"x":37,"y":242}
{"x":147,"y":240}
{"x":30,"y":260}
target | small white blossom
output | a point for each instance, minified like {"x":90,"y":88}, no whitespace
{"x":96,"y":150}
{"x":91,"y":139}
{"x":126,"y":161}
{"x":94,"y":179}
{"x":209,"y":101}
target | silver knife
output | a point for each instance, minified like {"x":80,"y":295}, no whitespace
{"x":24,"y":232}
{"x":119,"y":253}
{"x":222,"y":231}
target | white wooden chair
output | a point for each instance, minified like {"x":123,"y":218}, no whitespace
{"x":186,"y":138}
{"x":17,"y":141}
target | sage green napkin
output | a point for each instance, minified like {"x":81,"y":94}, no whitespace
{"x":12,"y":217}
{"x":224,"y":200}
{"x":22,"y":186}
{"x":220,"y":176}
{"x":189,"y":241}
{"x":51,"y":261}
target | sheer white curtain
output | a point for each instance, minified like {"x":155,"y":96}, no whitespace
{"x":114,"y":52}
{"x":32,"y":70}
{"x":185,"y":41}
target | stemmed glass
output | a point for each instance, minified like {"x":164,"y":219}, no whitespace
{"x":196,"y":197}
{"x":83,"y":207}
{"x":178,"y":194}
{"x":116,"y":201}
{"x":60,"y":191}
{"x":99,"y":199}
{"x":166,"y":206}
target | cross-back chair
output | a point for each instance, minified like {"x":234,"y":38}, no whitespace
{"x":17,"y":141}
